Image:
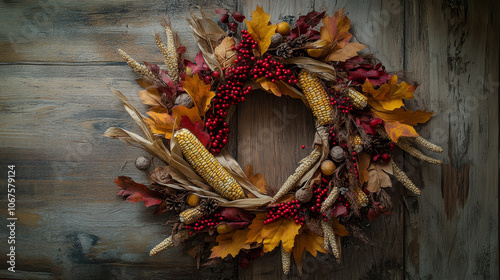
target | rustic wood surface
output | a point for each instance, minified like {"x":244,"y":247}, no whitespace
{"x":56,"y":57}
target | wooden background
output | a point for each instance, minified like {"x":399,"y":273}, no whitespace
{"x":57,"y":55}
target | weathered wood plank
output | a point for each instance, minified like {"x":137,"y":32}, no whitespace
{"x":89,"y":31}
{"x":453,"y":49}
{"x":71,"y":223}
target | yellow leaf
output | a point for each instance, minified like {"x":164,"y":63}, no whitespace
{"x":404,"y":116}
{"x":161,"y":122}
{"x":390,"y":95}
{"x":256,"y":179}
{"x":180,"y":111}
{"x":259,"y":29}
{"x":230,"y":244}
{"x":268,"y":86}
{"x":308,"y":241}
{"x":396,"y":129}
{"x":271,"y":235}
{"x":199,"y":92}
{"x":378,"y":176}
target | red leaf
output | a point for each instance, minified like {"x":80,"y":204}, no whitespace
{"x":359,"y":70}
{"x":198,"y":65}
{"x":305,"y":24}
{"x":364,"y":122}
{"x":376,"y":211}
{"x":138,"y":192}
{"x":339,"y":210}
{"x":196,"y":128}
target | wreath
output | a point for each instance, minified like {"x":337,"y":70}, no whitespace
{"x":360,"y":116}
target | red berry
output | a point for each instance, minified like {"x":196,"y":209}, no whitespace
{"x":391,"y":146}
{"x":375,"y":157}
{"x":303,"y":146}
{"x":375,"y":122}
{"x":215,"y":74}
{"x":224,"y":18}
{"x":386,"y":157}
{"x":233,"y":26}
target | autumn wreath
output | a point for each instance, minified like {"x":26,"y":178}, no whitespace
{"x":360,"y":121}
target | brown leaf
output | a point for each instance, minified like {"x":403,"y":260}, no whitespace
{"x":363,"y":164}
{"x":259,"y":29}
{"x":323,"y":70}
{"x":256,"y":179}
{"x":342,"y":54}
{"x":151,"y":97}
{"x":378,"y":176}
{"x":225,"y":52}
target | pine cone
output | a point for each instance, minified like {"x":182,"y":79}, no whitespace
{"x":177,"y":203}
{"x":208,"y":205}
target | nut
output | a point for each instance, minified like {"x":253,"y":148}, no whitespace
{"x":304,"y":194}
{"x":142,"y":163}
{"x":328,"y":167}
{"x":337,"y":153}
{"x":276,"y":39}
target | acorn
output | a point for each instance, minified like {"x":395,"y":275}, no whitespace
{"x":328,"y":167}
{"x":276,"y":39}
{"x":142,"y":163}
{"x":223,"y":228}
{"x":337,"y":154}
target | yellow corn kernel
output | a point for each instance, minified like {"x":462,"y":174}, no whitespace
{"x":357,"y":143}
{"x":357,"y":99}
{"x":205,"y":164}
{"x":317,"y":97}
{"x":191,"y":215}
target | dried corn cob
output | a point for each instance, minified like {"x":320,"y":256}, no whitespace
{"x":357,"y":143}
{"x":406,"y":146}
{"x":138,"y":68}
{"x":168,"y":242}
{"x":361,"y":197}
{"x":403,"y":178}
{"x":305,"y":164}
{"x":332,"y":196}
{"x":330,"y":239}
{"x":316,"y":97}
{"x":357,"y":99}
{"x":191,"y":215}
{"x":424,"y":143}
{"x":285,"y":260}
{"x":205,"y":164}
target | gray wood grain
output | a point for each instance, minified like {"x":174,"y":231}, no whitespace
{"x":57,"y":56}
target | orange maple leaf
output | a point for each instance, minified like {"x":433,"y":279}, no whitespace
{"x":396,"y":129}
{"x":308,"y":241}
{"x":256,"y":179}
{"x":404,"y":116}
{"x":259,"y":29}
{"x":335,"y":37}
{"x":199,"y":92}
{"x":161,"y":122}
{"x":271,"y":235}
{"x":390,"y":95}
{"x":339,"y":229}
{"x":230,"y":243}
{"x":179,"y":111}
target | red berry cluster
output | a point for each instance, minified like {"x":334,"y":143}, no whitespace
{"x":320,"y":193}
{"x":333,"y":136}
{"x":342,"y":103}
{"x":354,"y":169}
{"x":232,"y":91}
{"x":385,"y":157}
{"x":376,"y":122}
{"x":205,"y":223}
{"x":271,"y":69}
{"x":287,"y":210}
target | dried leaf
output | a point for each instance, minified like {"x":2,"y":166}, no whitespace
{"x":182,"y":111}
{"x":225,"y":52}
{"x":151,"y":97}
{"x":138,"y":192}
{"x":199,"y":92}
{"x":390,"y":95}
{"x":396,"y":129}
{"x":404,"y":116}
{"x":161,"y":122}
{"x":271,"y":235}
{"x":359,"y":70}
{"x":363,"y":164}
{"x":378,"y":176}
{"x":268,"y":86}
{"x":339,"y":229}
{"x":259,"y":29}
{"x":305,"y":23}
{"x":230,"y":244}
{"x":256,"y":179}
{"x":348,"y":51}
{"x":308,"y":241}
{"x":323,"y":70}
